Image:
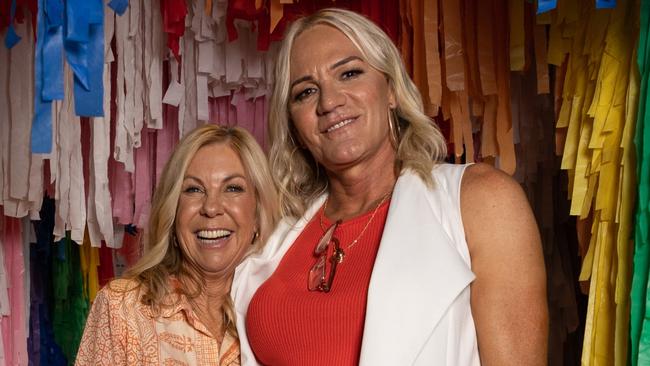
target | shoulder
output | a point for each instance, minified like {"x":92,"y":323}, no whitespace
{"x":485,"y":189}
{"x":119,"y":305}
{"x":123,"y":284}
{"x":494,"y":206}
{"x":492,"y":203}
{"x":122,"y":288}
{"x":481,"y":179}
{"x":119,"y":294}
{"x":449,"y":176}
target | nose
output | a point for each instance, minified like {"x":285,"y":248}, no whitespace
{"x":212,"y":205}
{"x":330,"y":98}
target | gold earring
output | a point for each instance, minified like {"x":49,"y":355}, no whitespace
{"x":255,"y":237}
{"x":393,"y":125}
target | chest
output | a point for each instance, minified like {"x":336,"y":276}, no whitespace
{"x":175,"y":340}
{"x":284,"y":315}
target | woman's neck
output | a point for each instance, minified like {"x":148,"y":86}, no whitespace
{"x":359,"y":189}
{"x":208,"y":305}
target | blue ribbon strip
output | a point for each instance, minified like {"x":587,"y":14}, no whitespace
{"x":84,"y":48}
{"x":119,"y":6}
{"x":11,"y":38}
{"x":605,"y":4}
{"x":53,"y":51}
{"x":41,"y":140}
{"x":546,"y":5}
{"x":76,"y":27}
{"x":89,"y":95}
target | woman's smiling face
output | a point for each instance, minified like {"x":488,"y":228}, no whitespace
{"x":338,"y":103}
{"x":216,"y":215}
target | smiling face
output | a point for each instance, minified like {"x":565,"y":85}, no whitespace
{"x":216,"y":215}
{"x":338,"y":103}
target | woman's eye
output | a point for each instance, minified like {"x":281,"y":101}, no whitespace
{"x":234,"y":188}
{"x":304,"y":94}
{"x":192,"y":189}
{"x":351,"y":73}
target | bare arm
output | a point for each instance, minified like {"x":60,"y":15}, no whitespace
{"x":509,"y":294}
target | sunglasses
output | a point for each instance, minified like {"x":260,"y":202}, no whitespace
{"x":321,"y":274}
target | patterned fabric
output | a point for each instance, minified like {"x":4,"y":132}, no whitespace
{"x":120,"y":330}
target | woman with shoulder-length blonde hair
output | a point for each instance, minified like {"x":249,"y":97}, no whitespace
{"x":385,"y":255}
{"x":214,"y":204}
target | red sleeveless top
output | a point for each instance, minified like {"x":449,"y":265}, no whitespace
{"x":289,"y":325}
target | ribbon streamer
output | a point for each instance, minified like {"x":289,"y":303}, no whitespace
{"x":52,"y":51}
{"x":41,"y":139}
{"x":605,"y":4}
{"x":118,"y":6}
{"x":11,"y":39}
{"x":546,"y":5}
{"x":84,"y":46}
{"x":173,"y":13}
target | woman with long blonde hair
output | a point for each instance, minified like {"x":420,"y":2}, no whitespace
{"x":215,"y":203}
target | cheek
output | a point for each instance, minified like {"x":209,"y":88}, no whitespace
{"x":301,"y":120}
{"x":243,"y":210}
{"x":251,"y":213}
{"x":185,"y":211}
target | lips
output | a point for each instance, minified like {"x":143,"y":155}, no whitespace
{"x":340,"y":124}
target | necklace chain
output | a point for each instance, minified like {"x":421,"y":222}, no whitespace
{"x":374,"y":212}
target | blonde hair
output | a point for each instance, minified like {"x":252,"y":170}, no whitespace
{"x":299,"y":177}
{"x":161,"y":257}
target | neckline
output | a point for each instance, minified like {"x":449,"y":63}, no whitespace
{"x":327,"y":222}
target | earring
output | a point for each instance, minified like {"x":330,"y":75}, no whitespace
{"x":393,"y":126}
{"x":174,"y":241}
{"x":255,"y":236}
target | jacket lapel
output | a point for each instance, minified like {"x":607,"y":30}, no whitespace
{"x":417,"y":275}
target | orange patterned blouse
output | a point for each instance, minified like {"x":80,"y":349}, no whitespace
{"x":120,"y":330}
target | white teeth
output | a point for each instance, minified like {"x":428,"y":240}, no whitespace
{"x":213,"y":234}
{"x":340,"y":124}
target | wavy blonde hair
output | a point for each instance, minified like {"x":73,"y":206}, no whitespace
{"x":161,"y":258}
{"x":299,"y":177}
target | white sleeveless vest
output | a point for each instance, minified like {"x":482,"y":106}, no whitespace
{"x":418,"y":310}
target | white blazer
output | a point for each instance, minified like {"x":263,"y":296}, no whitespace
{"x":418,"y":310}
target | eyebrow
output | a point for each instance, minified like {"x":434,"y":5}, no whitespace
{"x":334,"y":66}
{"x":226,"y":179}
{"x":192,"y":178}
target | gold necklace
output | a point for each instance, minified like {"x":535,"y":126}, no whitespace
{"x":374,"y":212}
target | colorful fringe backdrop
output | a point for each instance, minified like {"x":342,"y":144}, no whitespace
{"x":95,"y":94}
